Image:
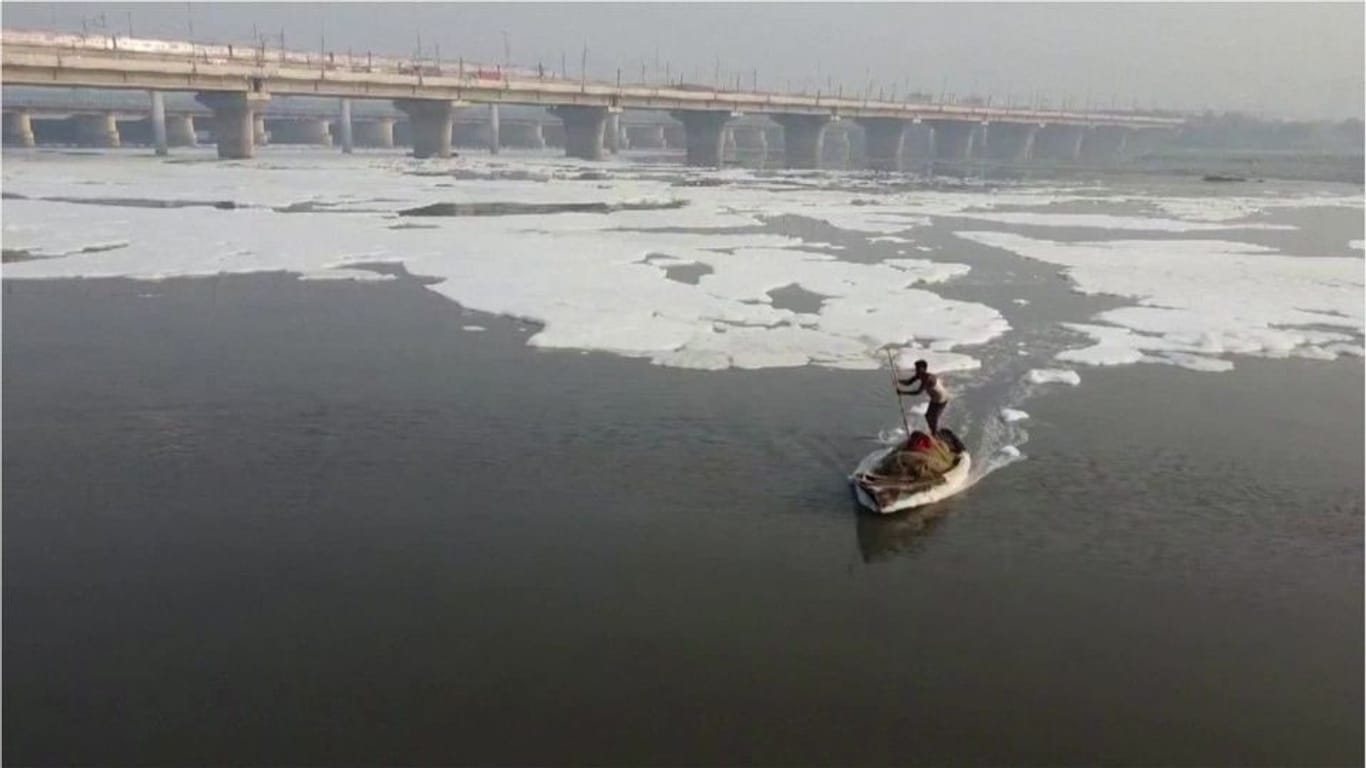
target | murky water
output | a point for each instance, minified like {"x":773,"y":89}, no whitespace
{"x":255,"y":518}
{"x":261,"y":520}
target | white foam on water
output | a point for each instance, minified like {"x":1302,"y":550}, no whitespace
{"x":1182,"y":212}
{"x":1121,"y":346}
{"x":342,"y":273}
{"x":1200,"y":300}
{"x":924,"y":271}
{"x":887,"y":215}
{"x":60,"y":231}
{"x":1357,"y":245}
{"x":1053,"y":376}
{"x":920,"y":207}
{"x":939,"y":202}
{"x":598,"y":281}
{"x":1224,"y":209}
{"x":591,"y":281}
{"x":473,"y":328}
{"x":938,"y":361}
{"x":1113,"y":222}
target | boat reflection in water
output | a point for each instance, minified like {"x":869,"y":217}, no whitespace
{"x":881,"y":537}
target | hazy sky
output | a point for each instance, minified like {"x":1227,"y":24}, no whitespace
{"x":1291,"y":60}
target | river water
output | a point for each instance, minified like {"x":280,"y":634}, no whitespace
{"x":256,"y":518}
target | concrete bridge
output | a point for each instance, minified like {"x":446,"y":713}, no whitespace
{"x":109,"y":118}
{"x":234,"y":85}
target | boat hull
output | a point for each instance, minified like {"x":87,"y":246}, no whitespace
{"x":868,"y":493}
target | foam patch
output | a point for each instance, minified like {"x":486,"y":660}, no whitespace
{"x":1053,"y":376}
{"x":1200,"y":300}
{"x":590,"y":280}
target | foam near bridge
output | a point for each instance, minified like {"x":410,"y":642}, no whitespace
{"x":598,"y":278}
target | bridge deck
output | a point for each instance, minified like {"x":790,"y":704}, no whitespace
{"x":33,"y":58}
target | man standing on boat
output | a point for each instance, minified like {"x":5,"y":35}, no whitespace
{"x":931,"y":385}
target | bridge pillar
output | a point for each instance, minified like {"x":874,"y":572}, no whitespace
{"x":259,"y":134}
{"x":495,"y":133}
{"x":345,"y":128}
{"x":234,"y":120}
{"x":583,"y":130}
{"x":955,"y":139}
{"x":803,"y":139}
{"x":886,"y":140}
{"x":611,"y":133}
{"x":98,"y":130}
{"x":704,"y":136}
{"x":378,"y":132}
{"x":19,"y":129}
{"x":159,"y":123}
{"x":180,"y":131}
{"x":1011,"y":142}
{"x":431,"y":125}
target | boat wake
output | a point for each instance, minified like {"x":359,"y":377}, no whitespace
{"x":987,"y":408}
